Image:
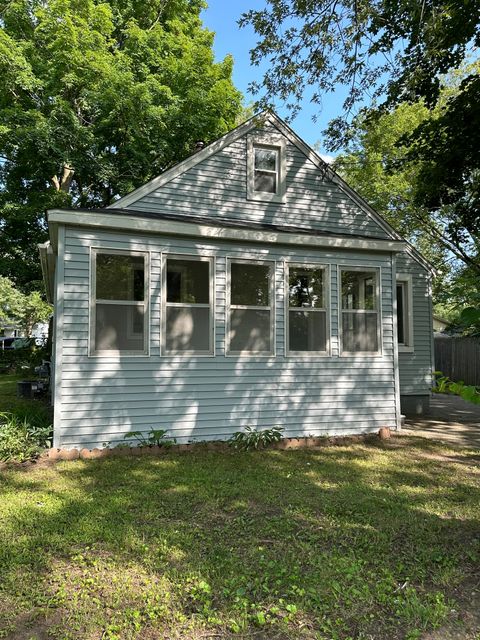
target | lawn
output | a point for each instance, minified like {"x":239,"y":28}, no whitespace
{"x":367,"y":541}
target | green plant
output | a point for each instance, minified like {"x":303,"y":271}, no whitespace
{"x":20,"y":440}
{"x":443,"y":384}
{"x":251,"y":438}
{"x":23,"y":360}
{"x":154,"y":437}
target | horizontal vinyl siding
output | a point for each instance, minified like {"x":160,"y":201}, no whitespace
{"x":204,"y":398}
{"x":415,"y":368}
{"x":216,"y":188}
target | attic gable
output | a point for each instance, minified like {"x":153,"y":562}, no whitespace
{"x":213,"y":183}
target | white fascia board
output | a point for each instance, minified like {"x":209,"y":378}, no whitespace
{"x":47,"y":263}
{"x":189,"y":162}
{"x":125,"y":222}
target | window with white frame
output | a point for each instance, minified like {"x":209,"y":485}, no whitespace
{"x":266,"y":168}
{"x":119,"y":302}
{"x":307,"y":309}
{"x":188,"y":305}
{"x":250,"y":322}
{"x":360,"y":311}
{"x":404,"y":312}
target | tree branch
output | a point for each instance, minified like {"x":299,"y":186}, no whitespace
{"x":64,"y":183}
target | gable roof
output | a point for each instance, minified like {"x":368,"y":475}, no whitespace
{"x":244,"y":129}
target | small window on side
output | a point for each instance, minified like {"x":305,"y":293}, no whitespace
{"x":404,"y":313}
{"x":119,"y":303}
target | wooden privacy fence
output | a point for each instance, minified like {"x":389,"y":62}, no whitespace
{"x":458,"y":358}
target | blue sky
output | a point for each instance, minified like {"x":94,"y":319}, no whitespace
{"x":221,"y":17}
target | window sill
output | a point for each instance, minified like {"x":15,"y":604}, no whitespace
{"x":258,"y":196}
{"x":405,"y":349}
{"x":119,"y":354}
{"x":362,"y":354}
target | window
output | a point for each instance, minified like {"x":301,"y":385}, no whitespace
{"x":265,"y":171}
{"x":404,"y":312}
{"x":188,"y":308}
{"x":250,"y":313}
{"x":119,"y":307}
{"x":266,"y":168}
{"x":307,"y":309}
{"x":359,"y":317}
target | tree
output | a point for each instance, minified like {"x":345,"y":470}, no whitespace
{"x":370,"y":164}
{"x":384,"y":162}
{"x":19,"y":309}
{"x":392,"y":52}
{"x":95,"y":99}
{"x":395,"y":50}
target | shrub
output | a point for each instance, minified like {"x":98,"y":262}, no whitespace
{"x":22,"y":360}
{"x":22,"y":439}
{"x":253,"y":439}
{"x":443,"y":384}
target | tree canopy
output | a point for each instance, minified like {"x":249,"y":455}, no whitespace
{"x":395,"y":50}
{"x":21,"y":310}
{"x":388,"y":53}
{"x":95,"y":99}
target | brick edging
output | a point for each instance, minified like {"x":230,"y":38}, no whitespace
{"x":284,"y":444}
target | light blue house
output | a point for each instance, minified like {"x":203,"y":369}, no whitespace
{"x":247,"y":285}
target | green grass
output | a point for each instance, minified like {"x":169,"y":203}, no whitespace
{"x":378,"y":540}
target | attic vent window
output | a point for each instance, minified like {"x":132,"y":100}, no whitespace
{"x":266,"y":169}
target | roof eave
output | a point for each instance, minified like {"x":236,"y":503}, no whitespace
{"x":124,"y":222}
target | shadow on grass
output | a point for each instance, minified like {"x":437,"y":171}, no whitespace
{"x":357,"y":540}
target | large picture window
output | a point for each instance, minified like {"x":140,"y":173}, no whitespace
{"x":359,"y":321}
{"x":251,"y":308}
{"x":307,"y":310}
{"x":119,"y":302}
{"x":188,"y":305}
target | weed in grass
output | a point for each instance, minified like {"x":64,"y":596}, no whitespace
{"x":20,"y":440}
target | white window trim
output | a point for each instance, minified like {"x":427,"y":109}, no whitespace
{"x":378,"y":291}
{"x":326,"y":309}
{"x":163,"y":313}
{"x":92,"y":302}
{"x":228,"y":306}
{"x":406,"y":279}
{"x":275,"y":143}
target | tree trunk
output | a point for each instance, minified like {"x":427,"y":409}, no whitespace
{"x":64,"y":183}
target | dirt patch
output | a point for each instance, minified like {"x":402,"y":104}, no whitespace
{"x":32,"y":627}
{"x":465,"y":623}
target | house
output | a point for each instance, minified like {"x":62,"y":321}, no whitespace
{"x":247,"y":285}
{"x":439,"y":324}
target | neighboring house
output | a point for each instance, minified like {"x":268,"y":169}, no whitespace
{"x":247,"y":285}
{"x":10,"y":331}
{"x":439,"y":324}
{"x":39,"y":331}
